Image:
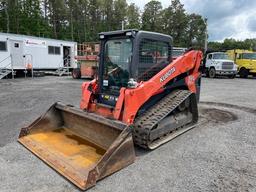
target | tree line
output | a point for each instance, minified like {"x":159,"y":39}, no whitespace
{"x":82,"y":20}
{"x":230,"y":43}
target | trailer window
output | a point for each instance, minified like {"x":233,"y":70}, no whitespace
{"x":52,"y":50}
{"x":3,"y":46}
{"x":57,"y":50}
{"x":153,"y":57}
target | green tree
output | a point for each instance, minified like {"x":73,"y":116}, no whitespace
{"x":107,"y":10}
{"x":175,"y":22}
{"x":31,"y":19}
{"x":119,"y":13}
{"x":93,"y":20}
{"x":57,"y":17}
{"x":151,"y":17}
{"x":13,"y":10}
{"x":82,"y":20}
{"x":214,"y":46}
{"x":4,"y":17}
{"x":230,"y":43}
{"x":196,"y":29}
{"x":133,"y":17}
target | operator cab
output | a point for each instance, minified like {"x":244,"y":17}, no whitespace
{"x":128,"y":57}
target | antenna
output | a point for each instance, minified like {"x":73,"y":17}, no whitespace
{"x":206,"y":36}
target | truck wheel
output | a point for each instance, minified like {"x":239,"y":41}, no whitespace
{"x":243,"y":73}
{"x":212,"y":73}
{"x":76,"y":73}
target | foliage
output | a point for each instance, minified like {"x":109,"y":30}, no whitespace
{"x":176,"y":23}
{"x":227,"y":44}
{"x":82,"y":20}
{"x":151,"y":17}
{"x":133,"y":17}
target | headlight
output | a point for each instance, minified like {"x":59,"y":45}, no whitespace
{"x":218,"y":66}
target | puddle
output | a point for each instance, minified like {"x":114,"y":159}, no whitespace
{"x":217,"y":115}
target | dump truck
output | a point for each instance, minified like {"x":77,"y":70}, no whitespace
{"x":246,"y":61}
{"x":218,"y":63}
{"x":140,"y":97}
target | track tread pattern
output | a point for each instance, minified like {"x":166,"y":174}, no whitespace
{"x":148,"y":120}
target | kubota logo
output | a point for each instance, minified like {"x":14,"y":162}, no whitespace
{"x":167,"y":74}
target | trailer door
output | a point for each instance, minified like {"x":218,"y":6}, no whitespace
{"x":17,"y":54}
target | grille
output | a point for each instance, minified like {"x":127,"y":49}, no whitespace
{"x":227,"y":65}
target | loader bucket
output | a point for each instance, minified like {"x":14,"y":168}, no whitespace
{"x":83,"y":147}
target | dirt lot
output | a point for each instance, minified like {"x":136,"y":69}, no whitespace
{"x":218,"y":155}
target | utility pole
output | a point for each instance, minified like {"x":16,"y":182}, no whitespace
{"x":206,"y":36}
{"x":45,"y":9}
{"x":71,"y":24}
{"x":122,"y":25}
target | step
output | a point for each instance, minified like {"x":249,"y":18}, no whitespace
{"x":4,"y":72}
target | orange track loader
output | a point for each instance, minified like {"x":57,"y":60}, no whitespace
{"x":140,"y":97}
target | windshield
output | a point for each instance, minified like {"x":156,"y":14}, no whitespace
{"x":249,"y":56}
{"x":220,"y":56}
{"x":116,"y":64}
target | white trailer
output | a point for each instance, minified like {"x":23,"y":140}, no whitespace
{"x":21,"y":52}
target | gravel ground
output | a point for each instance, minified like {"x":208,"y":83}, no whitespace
{"x":218,"y":155}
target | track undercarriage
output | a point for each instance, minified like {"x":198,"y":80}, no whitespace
{"x":170,"y":117}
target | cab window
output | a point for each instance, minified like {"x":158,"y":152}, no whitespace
{"x":153,"y":57}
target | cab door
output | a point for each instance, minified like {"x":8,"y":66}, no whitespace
{"x":208,"y":63}
{"x":241,"y":62}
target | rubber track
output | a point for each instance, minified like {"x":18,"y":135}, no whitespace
{"x":147,"y":121}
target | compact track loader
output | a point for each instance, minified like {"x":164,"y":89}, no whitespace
{"x":140,"y":97}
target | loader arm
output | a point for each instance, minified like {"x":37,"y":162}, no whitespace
{"x":188,"y":63}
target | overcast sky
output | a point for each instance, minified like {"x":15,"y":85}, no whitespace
{"x":226,"y":18}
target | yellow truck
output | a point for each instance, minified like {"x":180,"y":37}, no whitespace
{"x":246,"y":61}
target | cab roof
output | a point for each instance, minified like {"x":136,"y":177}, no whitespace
{"x":133,"y":32}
